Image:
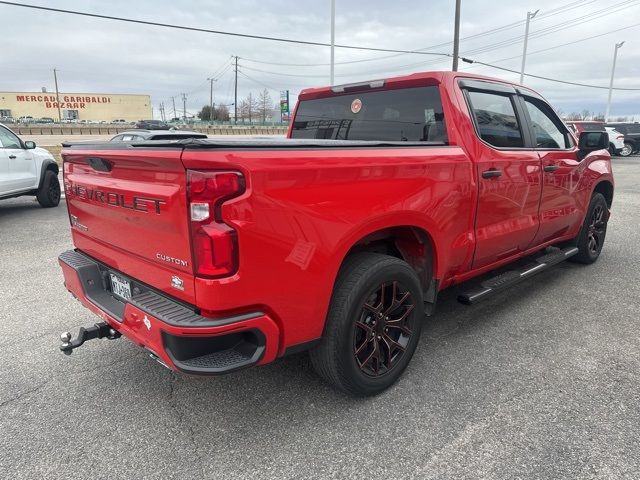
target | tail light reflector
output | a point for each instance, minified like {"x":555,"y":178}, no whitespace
{"x":214,"y":243}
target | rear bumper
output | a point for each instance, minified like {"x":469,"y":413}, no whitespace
{"x":172,"y":331}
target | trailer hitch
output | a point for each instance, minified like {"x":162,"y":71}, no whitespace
{"x":99,"y":330}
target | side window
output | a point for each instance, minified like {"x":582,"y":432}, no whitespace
{"x":127,"y":138}
{"x":496,"y":119}
{"x":546,"y":129}
{"x":117,"y":138}
{"x":8,"y":139}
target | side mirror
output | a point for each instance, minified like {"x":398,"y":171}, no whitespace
{"x":592,"y":141}
{"x":29,"y":145}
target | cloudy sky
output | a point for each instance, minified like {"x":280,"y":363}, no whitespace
{"x":104,"y":56}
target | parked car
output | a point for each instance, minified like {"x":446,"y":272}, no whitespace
{"x":579,"y":126}
{"x":220,"y":255}
{"x":616,"y":141}
{"x":7,"y":119}
{"x":26,"y":119}
{"x":26,"y":169}
{"x":140,"y":135}
{"x":46,"y":120}
{"x":631,"y":132}
{"x":153,"y":125}
{"x":119,"y":120}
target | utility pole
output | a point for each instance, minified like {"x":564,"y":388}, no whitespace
{"x":456,"y":37}
{"x":184,"y":106}
{"x":55,"y":79}
{"x":211,"y":100}
{"x":173,"y":100}
{"x":333,"y":41}
{"x":235,"y":96}
{"x":613,"y":71}
{"x":526,"y":40}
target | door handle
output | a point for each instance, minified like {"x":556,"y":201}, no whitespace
{"x":12,"y":157}
{"x":491,"y":173}
{"x":551,"y":168}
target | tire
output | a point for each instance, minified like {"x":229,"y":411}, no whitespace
{"x":626,"y":150}
{"x":373,"y":324}
{"x":612,"y":150}
{"x":49,"y":193}
{"x":593,"y":231}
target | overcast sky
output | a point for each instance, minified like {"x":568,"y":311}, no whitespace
{"x":104,"y":56}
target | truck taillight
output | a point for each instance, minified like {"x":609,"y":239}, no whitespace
{"x":214,"y":243}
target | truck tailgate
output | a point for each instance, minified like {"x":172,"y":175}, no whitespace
{"x":128,"y":209}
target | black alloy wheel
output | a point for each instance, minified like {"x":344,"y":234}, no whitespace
{"x":373,"y":324}
{"x":595,"y":235}
{"x":383,"y":329}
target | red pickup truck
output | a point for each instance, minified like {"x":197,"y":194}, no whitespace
{"x":218,"y":255}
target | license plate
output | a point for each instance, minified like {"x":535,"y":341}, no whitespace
{"x":120,"y":287}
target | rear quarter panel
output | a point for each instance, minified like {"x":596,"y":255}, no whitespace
{"x":304,"y":209}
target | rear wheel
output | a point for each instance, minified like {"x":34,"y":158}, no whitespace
{"x":373,"y":324}
{"x":593,"y":232}
{"x":627,"y":149}
{"x":49,"y":193}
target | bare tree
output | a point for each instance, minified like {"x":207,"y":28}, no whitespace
{"x":264,"y":105}
{"x":248,"y":108}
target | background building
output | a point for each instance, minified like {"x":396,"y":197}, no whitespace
{"x":81,"y":106}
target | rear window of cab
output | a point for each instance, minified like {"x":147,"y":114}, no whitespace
{"x":408,"y":114}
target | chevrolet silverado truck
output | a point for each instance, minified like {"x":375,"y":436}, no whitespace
{"x":219,"y":255}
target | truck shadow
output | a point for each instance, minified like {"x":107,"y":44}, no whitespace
{"x":288,"y":392}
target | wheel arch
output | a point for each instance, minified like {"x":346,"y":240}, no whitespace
{"x":47,"y":165}
{"x":409,"y":242}
{"x":605,"y":187}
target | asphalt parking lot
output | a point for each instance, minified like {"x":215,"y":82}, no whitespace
{"x":542,"y":381}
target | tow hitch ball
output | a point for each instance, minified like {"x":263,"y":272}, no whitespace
{"x":99,"y":330}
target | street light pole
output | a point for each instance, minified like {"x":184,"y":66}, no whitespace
{"x":211,"y":100}
{"x":613,"y":71}
{"x":526,"y":40}
{"x":55,"y":79}
{"x":333,"y":41}
{"x":456,"y":37}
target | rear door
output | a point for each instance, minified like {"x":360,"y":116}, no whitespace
{"x":508,"y":170}
{"x":559,"y":210}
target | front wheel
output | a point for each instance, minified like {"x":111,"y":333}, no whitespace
{"x":49,"y":193}
{"x":593,"y":232}
{"x":373,"y":324}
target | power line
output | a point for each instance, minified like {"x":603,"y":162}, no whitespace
{"x":491,"y":31}
{"x":468,"y":60}
{"x":217,"y":32}
{"x":569,"y":43}
{"x":557,"y":27}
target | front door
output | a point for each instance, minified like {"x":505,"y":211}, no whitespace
{"x":21,"y":174}
{"x":509,"y":176}
{"x":559,"y":212}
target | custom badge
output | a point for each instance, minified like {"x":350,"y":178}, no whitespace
{"x":147,"y":322}
{"x":356,"y":105}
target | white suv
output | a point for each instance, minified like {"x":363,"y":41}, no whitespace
{"x":27,"y":170}
{"x":616,"y":141}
